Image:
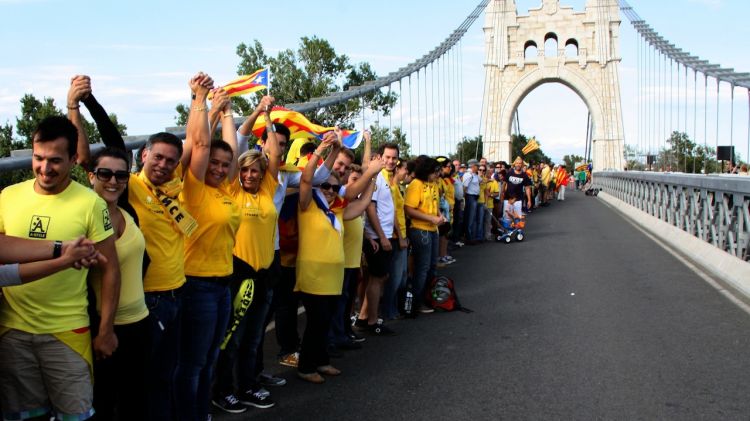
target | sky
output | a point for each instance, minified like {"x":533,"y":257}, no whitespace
{"x":140,"y":55}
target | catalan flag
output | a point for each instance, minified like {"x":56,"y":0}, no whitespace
{"x":247,"y":84}
{"x":300,"y":126}
{"x":561,"y":178}
{"x":530,"y":147}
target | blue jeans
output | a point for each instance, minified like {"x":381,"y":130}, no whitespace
{"x":164,"y":322}
{"x":424,"y":246}
{"x":397,"y":280}
{"x":242,"y":349}
{"x":206,"y":305}
{"x":481,"y":214}
{"x":470,"y":214}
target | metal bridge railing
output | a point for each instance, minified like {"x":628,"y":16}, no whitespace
{"x":712,"y":208}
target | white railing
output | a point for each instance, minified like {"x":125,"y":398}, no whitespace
{"x":711,"y":208}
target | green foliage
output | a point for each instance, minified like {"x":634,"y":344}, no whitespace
{"x":570,"y":162}
{"x":518,"y":142}
{"x":32,"y":112}
{"x":684,"y":155}
{"x":468,"y":148}
{"x":382,"y":135}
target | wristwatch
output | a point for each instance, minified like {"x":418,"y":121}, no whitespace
{"x":57,"y":251}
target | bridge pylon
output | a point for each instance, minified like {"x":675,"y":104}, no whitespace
{"x":586,"y":61}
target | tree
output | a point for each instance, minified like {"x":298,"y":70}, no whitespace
{"x":570,"y":161}
{"x":315,"y":70}
{"x":468,"y":148}
{"x":518,"y":142}
{"x":686,"y":156}
{"x":382,"y":135}
{"x":34,"y":111}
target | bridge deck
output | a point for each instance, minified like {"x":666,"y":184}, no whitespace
{"x":642,"y":338}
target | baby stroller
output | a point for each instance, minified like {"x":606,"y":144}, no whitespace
{"x":509,"y":231}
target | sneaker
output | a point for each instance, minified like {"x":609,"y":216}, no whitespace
{"x":459,"y":244}
{"x":426,"y":310}
{"x":229,"y":404}
{"x":380,"y":329}
{"x":290,"y":360}
{"x":451,"y":258}
{"x":259,"y":399}
{"x":356,"y":338}
{"x":360,"y":323}
{"x":271,"y":380}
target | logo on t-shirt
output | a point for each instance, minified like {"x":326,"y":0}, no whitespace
{"x":39,"y":226}
{"x":106,"y":220}
{"x":515,"y":180}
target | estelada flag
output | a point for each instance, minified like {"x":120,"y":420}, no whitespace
{"x":298,"y":125}
{"x":561,"y":178}
{"x":530,"y":147}
{"x":247,"y":84}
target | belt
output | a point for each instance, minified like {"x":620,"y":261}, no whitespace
{"x":174,"y":293}
{"x":221,"y":280}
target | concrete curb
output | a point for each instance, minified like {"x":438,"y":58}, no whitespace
{"x":728,"y":269}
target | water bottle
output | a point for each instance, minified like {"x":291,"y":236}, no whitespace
{"x":408,"y":302}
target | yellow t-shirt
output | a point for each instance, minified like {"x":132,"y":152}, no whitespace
{"x":320,"y":257}
{"x":546,"y":175}
{"x":164,"y":241}
{"x":448,"y":191}
{"x":353,"y":237}
{"x":208,"y":252}
{"x":493,"y":188}
{"x":423,"y":197}
{"x":258,"y":218}
{"x":130,"y":246}
{"x":398,"y":204}
{"x":482,"y":191}
{"x":57,"y":302}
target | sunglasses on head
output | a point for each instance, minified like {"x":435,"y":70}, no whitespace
{"x":329,"y":186}
{"x":105,"y":174}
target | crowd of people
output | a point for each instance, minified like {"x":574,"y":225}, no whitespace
{"x":159,"y":284}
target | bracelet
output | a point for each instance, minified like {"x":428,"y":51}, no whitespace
{"x":74,"y":108}
{"x":57,"y":250}
{"x":203,"y":108}
{"x":316,"y":153}
{"x":227,"y":115}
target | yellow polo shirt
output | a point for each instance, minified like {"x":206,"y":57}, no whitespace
{"x":424,"y":197}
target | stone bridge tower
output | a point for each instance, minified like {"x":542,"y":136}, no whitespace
{"x":586,"y":61}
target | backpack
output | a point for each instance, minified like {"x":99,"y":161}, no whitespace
{"x":441,"y":295}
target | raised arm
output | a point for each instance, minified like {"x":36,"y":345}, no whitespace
{"x":229,"y":132}
{"x":305,"y":183}
{"x":359,"y":186}
{"x":272,"y":141}
{"x":197,"y":149}
{"x":110,"y":134}
{"x":80,"y":86}
{"x":368,"y":149}
{"x":355,"y":208}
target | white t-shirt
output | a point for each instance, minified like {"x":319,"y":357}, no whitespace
{"x":384,"y":208}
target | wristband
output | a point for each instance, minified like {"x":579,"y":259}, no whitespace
{"x":57,"y":251}
{"x":199,"y":108}
{"x":74,"y":108}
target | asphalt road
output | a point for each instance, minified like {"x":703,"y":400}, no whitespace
{"x":585,"y":319}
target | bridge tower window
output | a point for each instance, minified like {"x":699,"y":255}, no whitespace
{"x":571,"y":48}
{"x":530,"y":50}
{"x":550,"y":45}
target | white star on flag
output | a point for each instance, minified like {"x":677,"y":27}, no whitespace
{"x":259,"y":79}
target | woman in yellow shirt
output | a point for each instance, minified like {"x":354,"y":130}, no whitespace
{"x":422,"y":206}
{"x":320,"y":258}
{"x":253,"y":191}
{"x":206,"y":296}
{"x":399,"y":262}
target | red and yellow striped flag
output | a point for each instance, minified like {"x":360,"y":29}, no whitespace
{"x":247,"y":84}
{"x":530,"y":147}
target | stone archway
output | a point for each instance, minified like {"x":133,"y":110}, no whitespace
{"x":592,"y":73}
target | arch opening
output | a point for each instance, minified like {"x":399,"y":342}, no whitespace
{"x":530,"y":50}
{"x":571,"y":48}
{"x":550,"y":44}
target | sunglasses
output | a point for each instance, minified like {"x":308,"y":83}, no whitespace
{"x":105,"y":174}
{"x":482,"y":169}
{"x":329,"y":186}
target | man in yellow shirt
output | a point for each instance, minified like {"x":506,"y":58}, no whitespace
{"x":546,"y":177}
{"x":44,"y":325}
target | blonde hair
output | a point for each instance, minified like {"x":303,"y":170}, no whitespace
{"x":517,"y":160}
{"x":250,"y":157}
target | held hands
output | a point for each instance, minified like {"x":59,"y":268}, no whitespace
{"x":385,"y":244}
{"x":329,"y":140}
{"x":80,"y":253}
{"x":367,"y":136}
{"x":80,"y":88}
{"x":220,"y":101}
{"x":200,"y":85}
{"x":438,"y":220}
